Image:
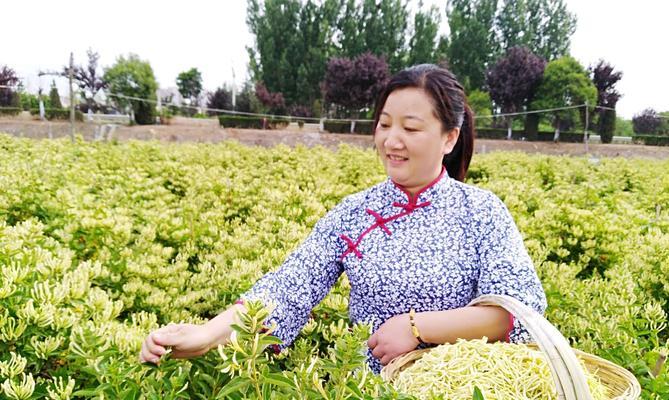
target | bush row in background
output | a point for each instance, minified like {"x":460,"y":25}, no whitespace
{"x":10,"y":110}
{"x":500,"y":133}
{"x":243,"y":122}
{"x":59,"y":113}
{"x":653,"y":140}
{"x":49,"y":113}
{"x":361,"y":127}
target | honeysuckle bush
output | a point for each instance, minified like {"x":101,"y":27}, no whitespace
{"x":101,"y":243}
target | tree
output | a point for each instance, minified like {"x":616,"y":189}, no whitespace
{"x":87,"y":79}
{"x":273,"y":102}
{"x":422,"y":46}
{"x":189,"y":84}
{"x":472,"y":43}
{"x":647,"y":122}
{"x":8,"y":96}
{"x":220,"y":99}
{"x":565,"y":84}
{"x":481,"y":104}
{"x":354,"y":84}
{"x":54,"y":97}
{"x":605,"y":79}
{"x":278,"y":52}
{"x":543,"y":26}
{"x":374,"y":26}
{"x":513,"y":80}
{"x":133,"y":77}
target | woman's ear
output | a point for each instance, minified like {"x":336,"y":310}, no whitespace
{"x":450,"y":138}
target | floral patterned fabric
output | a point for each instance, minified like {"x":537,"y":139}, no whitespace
{"x":436,"y":251}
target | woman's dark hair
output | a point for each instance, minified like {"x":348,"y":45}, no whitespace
{"x":450,"y":106}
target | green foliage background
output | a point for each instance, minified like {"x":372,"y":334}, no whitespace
{"x":101,"y":243}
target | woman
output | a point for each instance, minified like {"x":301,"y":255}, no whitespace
{"x":416,"y":248}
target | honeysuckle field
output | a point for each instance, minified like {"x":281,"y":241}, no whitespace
{"x":100,"y":243}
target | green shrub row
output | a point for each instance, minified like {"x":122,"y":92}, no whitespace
{"x":9,"y":110}
{"x":58,"y":113}
{"x":500,"y":133}
{"x":361,"y":127}
{"x":652,"y":140}
{"x":242,"y":122}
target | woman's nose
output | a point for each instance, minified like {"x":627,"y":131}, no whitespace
{"x":393,"y":140}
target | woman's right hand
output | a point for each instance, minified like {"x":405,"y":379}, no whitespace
{"x":186,"y":341}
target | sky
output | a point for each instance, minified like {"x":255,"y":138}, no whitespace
{"x":174,"y":36}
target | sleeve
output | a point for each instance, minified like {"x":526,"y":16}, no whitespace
{"x":302,"y":281}
{"x":505,"y":266}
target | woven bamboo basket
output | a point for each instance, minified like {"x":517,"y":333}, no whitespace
{"x":568,"y":375}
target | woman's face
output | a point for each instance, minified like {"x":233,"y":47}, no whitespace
{"x":410,"y":139}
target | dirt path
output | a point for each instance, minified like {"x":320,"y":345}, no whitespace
{"x":209,"y":132}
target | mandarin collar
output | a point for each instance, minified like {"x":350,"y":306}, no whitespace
{"x":427,"y":194}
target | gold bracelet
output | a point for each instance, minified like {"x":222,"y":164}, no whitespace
{"x":414,"y":328}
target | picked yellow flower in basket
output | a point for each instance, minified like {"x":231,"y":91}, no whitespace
{"x":546,"y":369}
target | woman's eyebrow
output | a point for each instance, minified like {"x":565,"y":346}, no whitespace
{"x":405,"y":116}
{"x":414,"y":117}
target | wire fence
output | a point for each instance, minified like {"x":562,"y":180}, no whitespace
{"x":104,"y":125}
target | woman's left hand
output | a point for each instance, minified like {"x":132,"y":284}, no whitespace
{"x":392,"y":339}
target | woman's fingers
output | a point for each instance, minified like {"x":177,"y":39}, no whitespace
{"x":151,"y":352}
{"x":373,"y":341}
{"x":377,"y":352}
{"x":385,"y":359}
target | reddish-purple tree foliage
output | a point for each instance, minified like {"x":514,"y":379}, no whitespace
{"x":7,"y":78}
{"x":273,"y":101}
{"x":354,"y":84}
{"x":605,"y":79}
{"x":514,"y":78}
{"x":607,"y":96}
{"x":647,"y":122}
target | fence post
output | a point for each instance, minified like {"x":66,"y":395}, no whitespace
{"x":585,"y":128}
{"x":70,"y":72}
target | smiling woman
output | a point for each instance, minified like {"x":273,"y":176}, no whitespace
{"x":417,"y":248}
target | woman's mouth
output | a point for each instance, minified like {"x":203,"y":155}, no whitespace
{"x":395,"y":159}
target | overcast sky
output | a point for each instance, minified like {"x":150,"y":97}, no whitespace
{"x":212,"y":35}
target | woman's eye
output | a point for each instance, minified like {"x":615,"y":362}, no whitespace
{"x":382,"y":125}
{"x":410,"y":129}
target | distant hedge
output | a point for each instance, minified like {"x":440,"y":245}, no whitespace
{"x":651,"y":140}
{"x":361,"y":127}
{"x":243,"y":122}
{"x":59,"y":113}
{"x":10,"y":110}
{"x":500,"y":133}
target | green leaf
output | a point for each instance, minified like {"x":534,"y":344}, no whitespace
{"x":477,"y":394}
{"x":353,"y":388}
{"x":235,"y":385}
{"x":278,"y":379}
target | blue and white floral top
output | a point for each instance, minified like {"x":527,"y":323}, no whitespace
{"x":436,"y":251}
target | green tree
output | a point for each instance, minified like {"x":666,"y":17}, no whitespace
{"x":623,"y":127}
{"x":189,"y":84}
{"x":472,"y":44}
{"x":277,"y":55}
{"x":378,"y":27}
{"x":543,"y":26}
{"x":481,"y":104}
{"x":423,"y":43}
{"x":317,"y":26}
{"x":566,"y":83}
{"x":54,"y":97}
{"x":133,"y":77}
